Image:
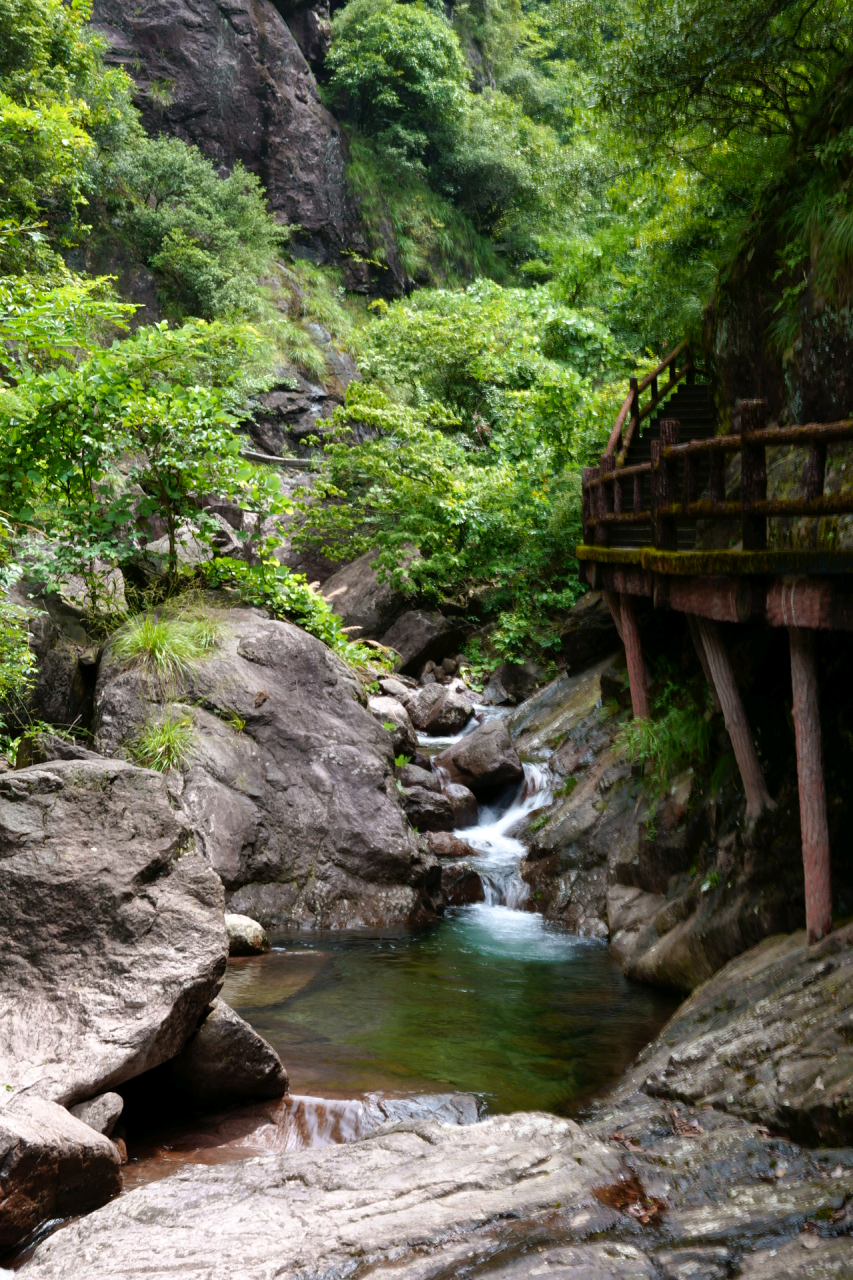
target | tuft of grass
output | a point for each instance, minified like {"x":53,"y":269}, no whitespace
{"x":166,"y":647}
{"x":164,"y":744}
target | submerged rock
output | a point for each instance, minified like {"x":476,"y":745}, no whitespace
{"x":484,"y":761}
{"x":245,"y":936}
{"x":52,"y":1165}
{"x":226,"y":1061}
{"x":112,"y":926}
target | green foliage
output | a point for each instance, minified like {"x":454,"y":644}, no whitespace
{"x":398,"y":71}
{"x":164,"y":743}
{"x":208,"y":239}
{"x":165,"y":647}
{"x":272,"y":586}
{"x":134,"y":431}
{"x":679,"y":735}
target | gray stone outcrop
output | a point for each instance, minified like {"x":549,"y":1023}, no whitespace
{"x":113,"y":936}
{"x":289,"y":783}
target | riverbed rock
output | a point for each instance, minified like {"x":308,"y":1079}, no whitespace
{"x":421,"y":703}
{"x":52,"y":1165}
{"x":419,"y":636}
{"x":466,"y":811}
{"x":511,"y":683}
{"x":379,"y":1201}
{"x":226,"y":1061}
{"x":389,"y":711}
{"x":485,"y":761}
{"x":295,"y":801}
{"x":101,"y":1113}
{"x":446,"y":845}
{"x":461,"y":886}
{"x":112,"y":925}
{"x":357,"y":596}
{"x":245,"y":936}
{"x":767,"y":1038}
{"x":411,"y":775}
{"x":427,"y":810}
{"x":449,"y":714}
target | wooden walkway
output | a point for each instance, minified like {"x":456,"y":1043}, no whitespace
{"x":656,"y":494}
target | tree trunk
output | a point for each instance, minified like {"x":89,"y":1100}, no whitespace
{"x":634,"y":656}
{"x":723,"y":678}
{"x":814,"y":828}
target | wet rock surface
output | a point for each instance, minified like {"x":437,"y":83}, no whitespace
{"x":52,"y":1165}
{"x":112,"y":925}
{"x":225,"y":1060}
{"x":297,"y":808}
{"x":483,"y":761}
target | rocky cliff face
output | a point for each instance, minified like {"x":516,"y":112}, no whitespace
{"x":228,"y":76}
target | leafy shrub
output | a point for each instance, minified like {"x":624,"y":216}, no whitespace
{"x":678,"y":736}
{"x":165,"y":743}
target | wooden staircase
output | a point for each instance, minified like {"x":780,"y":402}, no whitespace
{"x":691,"y":406}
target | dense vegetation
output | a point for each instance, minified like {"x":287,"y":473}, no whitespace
{"x":562,"y":185}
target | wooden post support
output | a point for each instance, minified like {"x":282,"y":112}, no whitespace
{"x":816,"y":470}
{"x":753,"y":476}
{"x":723,"y":677}
{"x":612,"y":601}
{"x":814,"y":828}
{"x":696,"y":637}
{"x":634,"y":657}
{"x":605,"y":500}
{"x":666,"y":532}
{"x":587,"y":514}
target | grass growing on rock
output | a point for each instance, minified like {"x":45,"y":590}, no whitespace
{"x":166,"y":647}
{"x":164,"y":744}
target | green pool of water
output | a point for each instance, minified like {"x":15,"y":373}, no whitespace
{"x":490,"y":1001}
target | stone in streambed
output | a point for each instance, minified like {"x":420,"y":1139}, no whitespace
{"x":411,"y":775}
{"x":427,"y":810}
{"x":226,"y":1061}
{"x":419,"y":636}
{"x":484,"y":761}
{"x":245,"y":936}
{"x":101,"y":1113}
{"x":461,"y":886}
{"x":446,"y":845}
{"x":449,"y":714}
{"x":390,"y":711}
{"x":52,"y":1165}
{"x":324,"y":1207}
{"x":466,"y":811}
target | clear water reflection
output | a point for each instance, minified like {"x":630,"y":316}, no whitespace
{"x":492,"y":1001}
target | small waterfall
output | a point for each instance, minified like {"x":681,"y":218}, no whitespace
{"x":501,"y":855}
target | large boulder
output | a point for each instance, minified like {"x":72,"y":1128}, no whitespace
{"x":419,"y":637}
{"x":380,"y":1201}
{"x":289,"y":782}
{"x":361,"y":600}
{"x":226,"y":1061}
{"x":767,"y":1038}
{"x":113,"y":936}
{"x":485,"y":761}
{"x":235,"y":83}
{"x":466,"y":811}
{"x":100,"y":1113}
{"x":52,"y":1165}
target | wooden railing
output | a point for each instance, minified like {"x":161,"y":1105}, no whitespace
{"x":674,"y":499}
{"x":633,"y":413}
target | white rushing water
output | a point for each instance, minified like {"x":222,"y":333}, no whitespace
{"x":501,"y":853}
